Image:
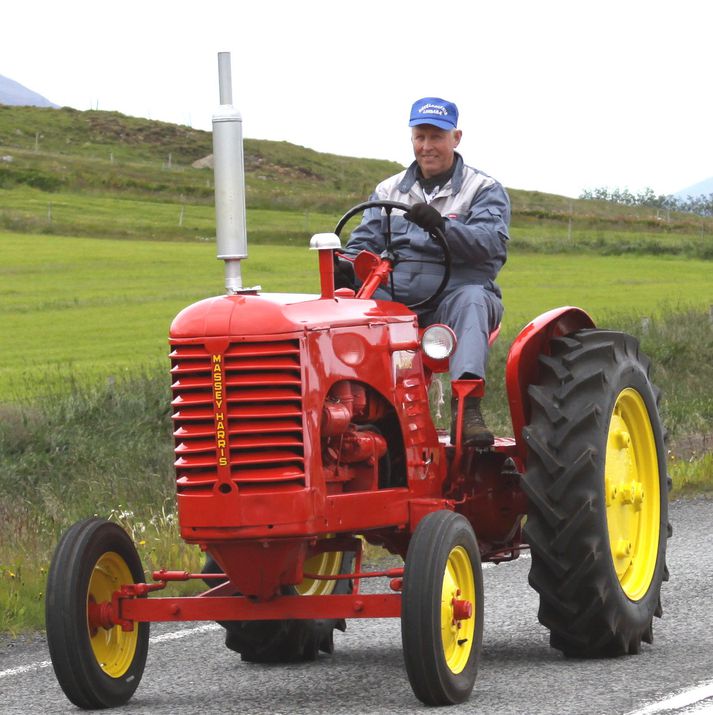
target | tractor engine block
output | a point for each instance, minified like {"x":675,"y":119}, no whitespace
{"x":353,"y":448}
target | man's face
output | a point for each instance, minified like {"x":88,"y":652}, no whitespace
{"x":433,"y":148}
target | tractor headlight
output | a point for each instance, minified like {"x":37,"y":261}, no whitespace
{"x":438,"y":342}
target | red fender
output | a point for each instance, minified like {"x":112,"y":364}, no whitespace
{"x":523,"y":368}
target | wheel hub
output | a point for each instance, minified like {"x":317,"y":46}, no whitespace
{"x":457,"y":604}
{"x":113,"y":648}
{"x":462,"y":610}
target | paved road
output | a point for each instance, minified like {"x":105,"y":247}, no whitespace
{"x":192,"y":672}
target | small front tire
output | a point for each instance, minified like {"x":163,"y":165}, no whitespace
{"x":96,"y":667}
{"x":442,"y":609}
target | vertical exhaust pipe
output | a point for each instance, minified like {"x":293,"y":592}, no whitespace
{"x":229,"y":179}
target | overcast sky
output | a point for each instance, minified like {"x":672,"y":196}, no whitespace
{"x":554,"y":96}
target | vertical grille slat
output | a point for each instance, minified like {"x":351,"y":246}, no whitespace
{"x":262,"y":385}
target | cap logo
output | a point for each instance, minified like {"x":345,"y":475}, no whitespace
{"x":434,"y":109}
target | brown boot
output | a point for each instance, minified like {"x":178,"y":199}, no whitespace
{"x":475,"y":433}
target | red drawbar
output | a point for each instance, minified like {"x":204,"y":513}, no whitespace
{"x":235,"y":608}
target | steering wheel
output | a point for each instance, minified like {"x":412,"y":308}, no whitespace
{"x":437,"y":235}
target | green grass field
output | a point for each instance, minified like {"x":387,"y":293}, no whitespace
{"x":274,"y":220}
{"x":95,"y":308}
{"x":30,"y":210}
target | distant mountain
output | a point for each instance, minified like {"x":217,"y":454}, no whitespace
{"x":15,"y":94}
{"x":704,"y":187}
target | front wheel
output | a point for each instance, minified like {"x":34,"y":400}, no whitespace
{"x":96,"y":667}
{"x":598,"y":495}
{"x":442,"y":609}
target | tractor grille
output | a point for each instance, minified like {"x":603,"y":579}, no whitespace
{"x":262,"y":405}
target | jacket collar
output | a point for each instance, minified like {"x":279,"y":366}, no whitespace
{"x":411,"y":176}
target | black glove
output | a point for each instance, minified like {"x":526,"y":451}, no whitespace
{"x":426,"y":217}
{"x":343,"y":273}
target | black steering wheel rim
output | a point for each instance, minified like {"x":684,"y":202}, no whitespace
{"x":437,"y":235}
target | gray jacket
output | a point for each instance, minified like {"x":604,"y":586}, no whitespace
{"x":477,"y":213}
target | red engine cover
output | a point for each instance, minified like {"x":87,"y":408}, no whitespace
{"x":251,"y":376}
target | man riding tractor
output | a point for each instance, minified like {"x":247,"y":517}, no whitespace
{"x":472,"y":210}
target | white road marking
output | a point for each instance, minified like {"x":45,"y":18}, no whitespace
{"x":172,"y":636}
{"x":676,"y":703}
{"x":25,"y":669}
{"x":175,"y":635}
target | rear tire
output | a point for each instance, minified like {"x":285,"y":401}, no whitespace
{"x":598,"y":495}
{"x":291,"y":640}
{"x":441,"y":643}
{"x":97,"y":668}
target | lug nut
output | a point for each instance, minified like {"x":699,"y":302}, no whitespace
{"x":623,"y":439}
{"x":623,"y":549}
{"x":632,"y":493}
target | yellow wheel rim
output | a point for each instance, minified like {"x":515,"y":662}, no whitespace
{"x":633,"y":496}
{"x":113,"y":648}
{"x":328,"y":563}
{"x":457,"y":632}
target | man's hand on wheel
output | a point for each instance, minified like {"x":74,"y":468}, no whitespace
{"x":425,"y":216}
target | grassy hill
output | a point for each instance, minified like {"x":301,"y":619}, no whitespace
{"x":69,"y":150}
{"x":64,"y":171}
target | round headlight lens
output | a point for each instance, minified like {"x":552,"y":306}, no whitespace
{"x":438,"y":342}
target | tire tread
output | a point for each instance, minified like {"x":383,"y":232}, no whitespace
{"x":580,"y":602}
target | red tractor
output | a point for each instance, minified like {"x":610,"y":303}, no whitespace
{"x":303,"y":430}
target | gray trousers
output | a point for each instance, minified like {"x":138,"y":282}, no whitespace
{"x":473,"y":312}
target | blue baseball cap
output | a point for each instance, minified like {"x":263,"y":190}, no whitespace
{"x":435,"y":111}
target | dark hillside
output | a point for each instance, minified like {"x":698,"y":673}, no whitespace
{"x":102,"y":136}
{"x":96,"y":134}
{"x":106,"y":152}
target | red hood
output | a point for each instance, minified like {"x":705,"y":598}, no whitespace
{"x":270,"y":313}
